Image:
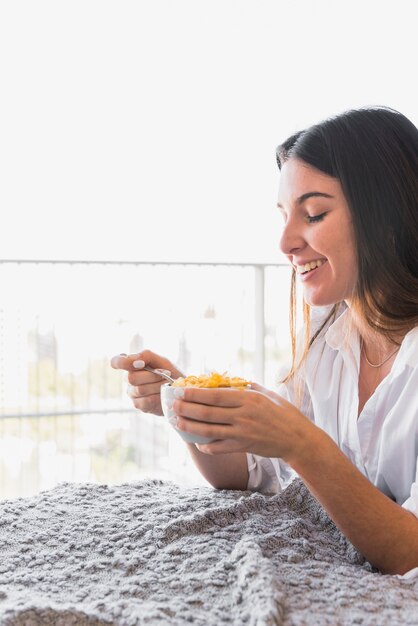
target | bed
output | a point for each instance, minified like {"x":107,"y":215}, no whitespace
{"x":152,"y":552}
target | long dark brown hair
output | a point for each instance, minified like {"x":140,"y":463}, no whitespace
{"x":373,"y":153}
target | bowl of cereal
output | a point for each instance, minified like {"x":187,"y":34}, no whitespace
{"x":210,"y":381}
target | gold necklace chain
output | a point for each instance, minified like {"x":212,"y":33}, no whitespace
{"x":363,"y":349}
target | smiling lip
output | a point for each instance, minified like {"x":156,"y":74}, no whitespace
{"x":308,"y":275}
{"x":301,"y":268}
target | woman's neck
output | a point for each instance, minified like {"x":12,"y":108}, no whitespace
{"x":375,"y":346}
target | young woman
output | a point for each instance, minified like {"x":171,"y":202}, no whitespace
{"x":346,"y":418}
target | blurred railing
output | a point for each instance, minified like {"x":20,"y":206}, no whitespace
{"x":64,"y":413}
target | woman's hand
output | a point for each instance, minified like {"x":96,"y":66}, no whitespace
{"x":144,"y":387}
{"x":253,"y":420}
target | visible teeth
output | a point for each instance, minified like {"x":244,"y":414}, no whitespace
{"x":309,"y":266}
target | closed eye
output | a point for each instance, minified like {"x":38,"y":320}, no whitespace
{"x":316,"y":218}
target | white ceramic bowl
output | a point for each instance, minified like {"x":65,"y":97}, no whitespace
{"x":167,"y":399}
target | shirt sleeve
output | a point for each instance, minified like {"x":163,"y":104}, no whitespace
{"x":411,"y":504}
{"x":266,"y":475}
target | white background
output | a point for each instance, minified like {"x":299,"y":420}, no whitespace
{"x":147,"y":130}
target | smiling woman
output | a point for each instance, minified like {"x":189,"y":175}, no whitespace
{"x":369,"y":228}
{"x":345,"y":419}
{"x":318,"y":237}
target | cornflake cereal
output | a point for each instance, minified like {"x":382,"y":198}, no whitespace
{"x":212,"y":380}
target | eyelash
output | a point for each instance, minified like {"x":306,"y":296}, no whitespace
{"x":316,"y":218}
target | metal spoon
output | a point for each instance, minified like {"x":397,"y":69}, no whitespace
{"x":159,"y":373}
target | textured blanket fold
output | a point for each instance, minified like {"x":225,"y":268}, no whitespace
{"x":155,"y":553}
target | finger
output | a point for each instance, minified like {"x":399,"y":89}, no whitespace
{"x":143,"y":390}
{"x":221,"y":446}
{"x":156,"y":361}
{"x":257,"y":387}
{"x":265,"y":392}
{"x":124,"y":362}
{"x":203,"y":429}
{"x":131,"y":391}
{"x":143,"y":377}
{"x":204,"y":413}
{"x":226,"y":397}
{"x":135,"y":362}
{"x":150,"y":404}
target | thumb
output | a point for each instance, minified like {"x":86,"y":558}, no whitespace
{"x":124,"y":362}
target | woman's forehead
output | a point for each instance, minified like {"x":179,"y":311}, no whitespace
{"x":298,"y":181}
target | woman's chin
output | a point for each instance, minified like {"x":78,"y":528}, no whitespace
{"x":319,"y":299}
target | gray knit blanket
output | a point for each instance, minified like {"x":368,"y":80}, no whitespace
{"x":155,"y":553}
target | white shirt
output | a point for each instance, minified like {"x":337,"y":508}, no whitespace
{"x":382,"y":442}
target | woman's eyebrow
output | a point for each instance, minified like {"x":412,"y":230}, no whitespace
{"x":309,"y":194}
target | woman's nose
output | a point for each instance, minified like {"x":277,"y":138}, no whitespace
{"x":291,"y":238}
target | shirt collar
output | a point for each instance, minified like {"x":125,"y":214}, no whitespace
{"x":342,"y":333}
{"x":409,"y":348}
